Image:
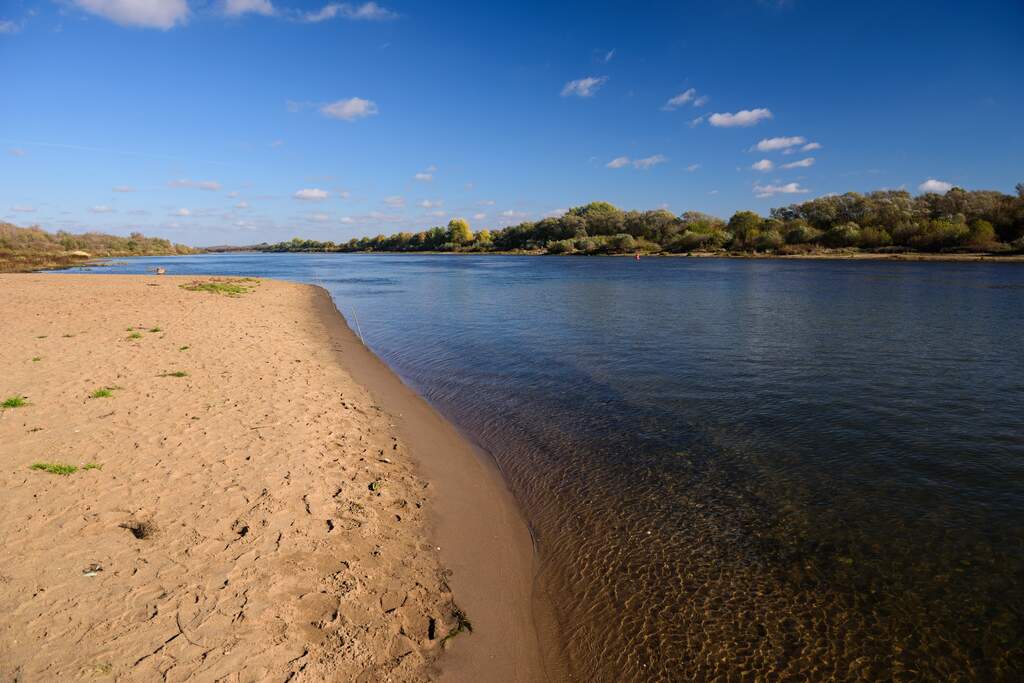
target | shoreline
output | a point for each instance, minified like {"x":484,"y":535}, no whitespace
{"x":224,"y":474}
{"x":493,"y":580}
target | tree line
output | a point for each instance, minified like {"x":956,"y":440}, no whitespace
{"x":886,"y":220}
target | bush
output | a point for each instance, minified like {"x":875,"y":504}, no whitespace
{"x":845,"y":235}
{"x":874,"y":237}
{"x":769,"y":240}
{"x":980,"y":233}
{"x":801,"y":233}
{"x":561,"y":247}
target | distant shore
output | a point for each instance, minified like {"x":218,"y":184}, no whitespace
{"x":221,"y":479}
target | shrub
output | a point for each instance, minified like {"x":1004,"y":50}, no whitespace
{"x":980,"y":233}
{"x":801,"y":233}
{"x":875,"y":237}
{"x":768,"y":240}
{"x":560,"y":247}
{"x":845,"y":235}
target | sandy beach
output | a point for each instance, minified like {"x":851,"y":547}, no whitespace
{"x":256,"y":497}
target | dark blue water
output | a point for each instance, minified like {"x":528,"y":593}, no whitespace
{"x":805,"y":469}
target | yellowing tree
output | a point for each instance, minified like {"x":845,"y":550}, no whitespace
{"x":459,"y":232}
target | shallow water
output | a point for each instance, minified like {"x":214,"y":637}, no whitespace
{"x":793,"y":469}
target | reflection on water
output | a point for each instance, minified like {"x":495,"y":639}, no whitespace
{"x":789,"y":469}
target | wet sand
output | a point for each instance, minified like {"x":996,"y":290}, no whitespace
{"x":270,"y":502}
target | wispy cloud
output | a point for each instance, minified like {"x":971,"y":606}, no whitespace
{"x":426,"y":175}
{"x":810,"y":147}
{"x":23,"y":208}
{"x":688,"y":96}
{"x":236,"y":8}
{"x":350,"y":109}
{"x":608,"y":56}
{"x":431,"y":203}
{"x":697,"y":121}
{"x":763,"y":165}
{"x":763,"y":191}
{"x":742,"y":118}
{"x":395,"y":201}
{"x":803,"y":163}
{"x":122,"y":188}
{"x":936,"y":186}
{"x":368,"y":11}
{"x":208,"y":185}
{"x":8,"y":26}
{"x":312,"y":194}
{"x":182,"y":213}
{"x":161,"y":14}
{"x":16,"y":152}
{"x":101,"y":208}
{"x":648,"y":162}
{"x":775,"y":144}
{"x":584,"y":87}
{"x":642,"y":164}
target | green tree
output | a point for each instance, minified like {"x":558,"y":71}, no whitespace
{"x":459,"y":232}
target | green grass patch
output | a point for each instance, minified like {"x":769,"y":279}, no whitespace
{"x":54,"y":468}
{"x":105,"y":392}
{"x":135,"y":335}
{"x":235,"y":287}
{"x":155,"y":329}
{"x":176,"y":373}
{"x":14,"y":402}
{"x":36,"y":359}
{"x":92,"y":466}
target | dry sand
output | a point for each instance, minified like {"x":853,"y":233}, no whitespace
{"x":288,"y":510}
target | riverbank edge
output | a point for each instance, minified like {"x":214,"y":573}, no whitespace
{"x":475,"y":521}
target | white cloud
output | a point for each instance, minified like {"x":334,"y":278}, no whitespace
{"x":486,"y":202}
{"x":209,"y":185}
{"x":479,"y":216}
{"x":618,"y":162}
{"x":763,"y":191}
{"x":350,"y":109}
{"x":775,"y":144}
{"x":102,"y":208}
{"x":122,"y":188}
{"x":395,"y":201}
{"x":692,"y":167}
{"x":647,"y":162}
{"x":242,"y":205}
{"x":423,"y":177}
{"x":236,"y":8}
{"x":810,"y":147}
{"x":696,"y":122}
{"x":312,"y":194}
{"x":803,"y":163}
{"x":347,"y":219}
{"x":438,"y":214}
{"x":680,"y":99}
{"x":319,"y":217}
{"x":277,"y":143}
{"x":368,"y":11}
{"x":9,"y":26}
{"x":182,"y":212}
{"x":584,"y":87}
{"x":509,"y":213}
{"x":429,"y":204}
{"x":16,"y":152}
{"x":763,"y":165}
{"x":23,"y":208}
{"x":742,"y":118}
{"x":701,"y":101}
{"x":609,"y":55}
{"x":936,"y":186}
{"x":162,"y":14}
{"x":555,"y":213}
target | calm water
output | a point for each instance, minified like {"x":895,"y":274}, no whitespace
{"x":792,"y":469}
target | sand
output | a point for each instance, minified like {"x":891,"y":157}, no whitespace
{"x":286,"y":510}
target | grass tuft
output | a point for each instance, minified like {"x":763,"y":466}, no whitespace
{"x":105,"y":392}
{"x":176,"y":373}
{"x":155,"y":329}
{"x":36,"y":359}
{"x":14,"y":402}
{"x":54,"y":468}
{"x":462,"y":623}
{"x":135,"y":335}
{"x":226,"y":287}
{"x":92,"y":466}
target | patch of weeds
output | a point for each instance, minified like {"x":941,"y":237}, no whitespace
{"x":54,"y":468}
{"x":105,"y":392}
{"x":92,"y":466}
{"x":375,"y":485}
{"x":176,"y":373}
{"x":130,"y":329}
{"x":36,"y":359}
{"x":135,"y":335}
{"x":140,"y":530}
{"x":184,"y":348}
{"x":14,"y":402}
{"x":226,"y":287}
{"x":462,"y":623}
{"x":155,"y":329}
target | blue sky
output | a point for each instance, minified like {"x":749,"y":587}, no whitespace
{"x":250,"y":120}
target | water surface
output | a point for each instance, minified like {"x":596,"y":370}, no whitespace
{"x":788,"y":468}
